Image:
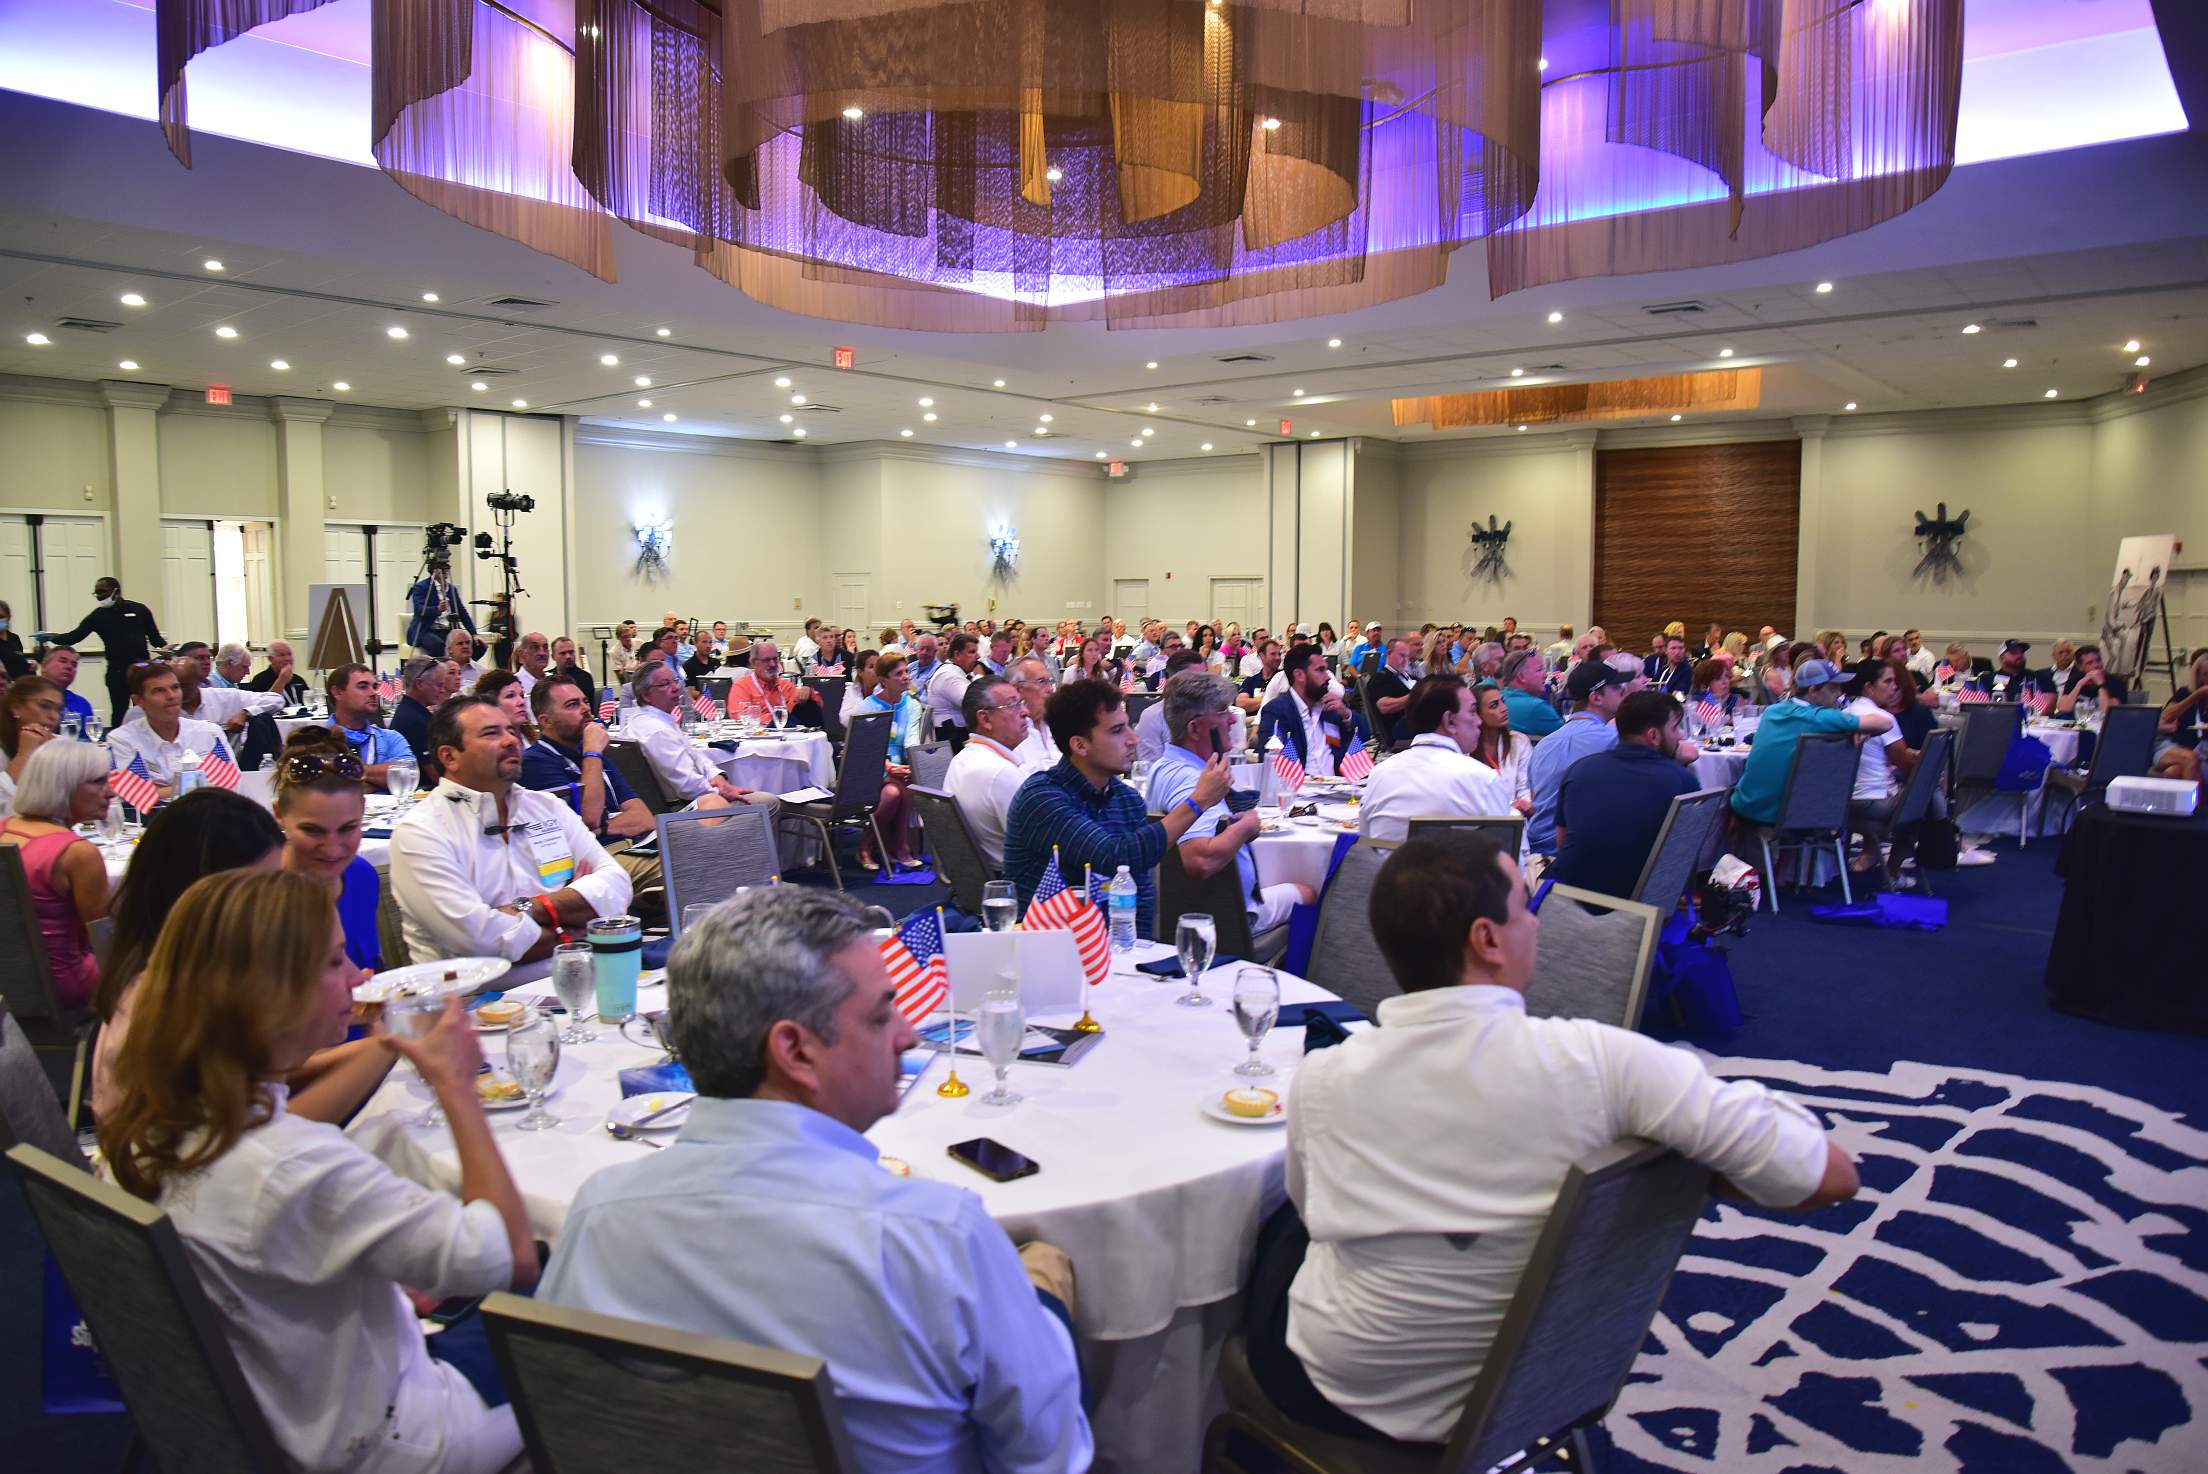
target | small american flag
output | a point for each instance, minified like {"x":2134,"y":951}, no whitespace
{"x":1356,"y":763}
{"x":609,"y":703}
{"x":2044,"y":702}
{"x":829,"y":670}
{"x":1126,"y":681}
{"x":216,"y":770}
{"x":134,"y":785}
{"x":1709,"y":713}
{"x":1290,"y":771}
{"x":703,"y":705}
{"x":1970,"y":695}
{"x":1057,"y":906}
{"x":917,"y":968}
{"x":1943,"y":673}
{"x":387,"y":690}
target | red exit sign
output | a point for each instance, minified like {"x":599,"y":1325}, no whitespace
{"x":847,"y":358}
{"x":1287,"y":427}
{"x":1116,"y":468}
{"x":218,"y":393}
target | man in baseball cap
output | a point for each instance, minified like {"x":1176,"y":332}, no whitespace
{"x":1595,"y":687}
{"x":1819,"y":688}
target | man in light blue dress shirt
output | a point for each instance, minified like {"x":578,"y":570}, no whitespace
{"x":1595,"y":688}
{"x":771,"y":1221}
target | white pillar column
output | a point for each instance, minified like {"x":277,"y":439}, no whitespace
{"x":1812,"y":429}
{"x":300,"y":482}
{"x":134,"y":466}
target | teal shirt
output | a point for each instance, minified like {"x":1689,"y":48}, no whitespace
{"x":1530,"y":714}
{"x":1763,"y":781}
{"x":904,"y":722}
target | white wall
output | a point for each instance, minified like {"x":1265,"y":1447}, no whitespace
{"x":1181,"y":524}
{"x":380,"y":472}
{"x":51,"y":449}
{"x":1543,"y":486}
{"x":937,"y":515}
{"x":218,"y":462}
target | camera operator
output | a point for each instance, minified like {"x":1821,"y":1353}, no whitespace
{"x":438,"y":607}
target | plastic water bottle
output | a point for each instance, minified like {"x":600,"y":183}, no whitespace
{"x":1120,"y":900}
{"x":188,"y":775}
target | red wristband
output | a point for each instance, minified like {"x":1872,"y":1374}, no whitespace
{"x":552,"y":917}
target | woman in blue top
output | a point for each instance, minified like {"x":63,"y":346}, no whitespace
{"x":321,"y":805}
{"x":907,"y":724}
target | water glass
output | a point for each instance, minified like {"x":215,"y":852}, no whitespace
{"x":94,"y":730}
{"x":575,"y":980}
{"x":692,"y":915}
{"x":617,"y":945}
{"x":1256,"y":1008}
{"x":401,"y":779}
{"x":412,"y":1016}
{"x":1196,"y":938}
{"x":111,"y":822}
{"x":533,"y":1058}
{"x":1002,"y":1024}
{"x":69,"y":728}
{"x":1000,"y":902}
{"x":781,"y":718}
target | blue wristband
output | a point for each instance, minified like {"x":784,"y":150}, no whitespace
{"x":1193,"y":807}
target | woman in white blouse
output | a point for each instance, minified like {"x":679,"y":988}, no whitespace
{"x":1509,"y":753}
{"x":859,"y":686}
{"x":302,"y":1238}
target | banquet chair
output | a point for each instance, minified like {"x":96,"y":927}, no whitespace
{"x":930,"y":763}
{"x":1217,"y":895}
{"x":1345,"y":960}
{"x":715,"y":688}
{"x":2125,"y":750}
{"x":23,"y":962}
{"x":391,"y":925}
{"x":1594,"y":957}
{"x":159,"y":1335}
{"x":1988,"y":729}
{"x":858,"y":790}
{"x":1677,"y":854}
{"x":1138,"y":702}
{"x":635,"y":767}
{"x":593,"y":1392}
{"x":831,"y":703}
{"x":1813,"y":810}
{"x":29,"y":1109}
{"x":1508,"y":830}
{"x":1569,"y":1338}
{"x":959,"y":861}
{"x":707,"y":855}
{"x":1925,"y":782}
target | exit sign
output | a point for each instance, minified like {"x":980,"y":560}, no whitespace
{"x":1287,"y":427}
{"x":218,"y":393}
{"x":847,"y":358}
{"x":1116,"y":468}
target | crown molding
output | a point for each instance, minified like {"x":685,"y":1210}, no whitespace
{"x":2179,"y":388}
{"x":937,"y":455}
{"x":726,"y":447}
{"x":1658,"y":437}
{"x":130,"y":394}
{"x":285,"y":410}
{"x":27,"y":389}
{"x":1563,"y":441}
{"x":1248,"y":462}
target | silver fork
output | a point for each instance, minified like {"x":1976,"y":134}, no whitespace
{"x":620,"y":1132}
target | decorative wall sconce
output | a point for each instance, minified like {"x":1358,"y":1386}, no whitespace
{"x":1940,"y":534}
{"x":1004,"y":551}
{"x":655,"y":538}
{"x":1487,"y":546}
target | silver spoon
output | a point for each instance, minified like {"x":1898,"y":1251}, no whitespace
{"x":620,"y":1132}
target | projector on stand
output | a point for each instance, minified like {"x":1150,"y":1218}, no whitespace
{"x":2171,"y":796}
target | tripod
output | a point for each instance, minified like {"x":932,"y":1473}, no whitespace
{"x":501,"y":627}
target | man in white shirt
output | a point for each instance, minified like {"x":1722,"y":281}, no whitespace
{"x":1425,"y":1155}
{"x":486,"y":868}
{"x":988,"y":771}
{"x":1000,"y":653}
{"x":772,"y":1222}
{"x":460,"y":650}
{"x":158,"y":734}
{"x":1309,"y":716}
{"x":1253,"y":659}
{"x":534,"y":656}
{"x":947,"y":690}
{"x":1923,"y":663}
{"x":228,"y":707}
{"x":807,"y":650}
{"x":1032,"y":677}
{"x":684,"y":771}
{"x":1436,"y":776}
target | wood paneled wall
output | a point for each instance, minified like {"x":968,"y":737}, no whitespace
{"x":1696,"y":533}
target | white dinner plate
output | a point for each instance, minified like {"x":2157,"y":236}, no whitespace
{"x":470,"y":975}
{"x":632,"y":1110}
{"x":1216,"y":1108}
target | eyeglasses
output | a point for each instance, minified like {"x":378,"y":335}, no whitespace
{"x":305,"y":767}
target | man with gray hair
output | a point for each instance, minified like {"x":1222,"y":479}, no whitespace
{"x":1200,"y":717}
{"x":772,"y":1221}
{"x":233,"y":667}
{"x":1526,"y":694}
{"x":986,"y":773}
{"x":686,"y":774}
{"x":422,"y":680}
{"x":1033,"y":677}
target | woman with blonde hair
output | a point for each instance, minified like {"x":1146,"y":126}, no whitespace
{"x":301,"y":1237}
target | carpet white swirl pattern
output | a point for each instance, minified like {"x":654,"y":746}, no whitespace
{"x":2021,"y":1287}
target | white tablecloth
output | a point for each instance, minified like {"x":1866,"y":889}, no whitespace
{"x":1719,"y":767}
{"x":1300,"y":850}
{"x":779,"y":764}
{"x":376,"y":851}
{"x":1157,"y":1205}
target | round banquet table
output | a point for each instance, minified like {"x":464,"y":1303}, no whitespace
{"x":375,"y":844}
{"x":2116,"y":956}
{"x":1719,"y":767}
{"x":1301,"y":850}
{"x":778,"y":762}
{"x":1997,"y":813}
{"x":1157,"y":1205}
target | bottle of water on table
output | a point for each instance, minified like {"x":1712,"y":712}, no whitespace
{"x":188,"y":775}
{"x":1120,"y":904}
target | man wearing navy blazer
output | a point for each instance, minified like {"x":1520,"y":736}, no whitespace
{"x":1312,"y":721}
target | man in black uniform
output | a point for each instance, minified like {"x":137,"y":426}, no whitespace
{"x":127,"y":633}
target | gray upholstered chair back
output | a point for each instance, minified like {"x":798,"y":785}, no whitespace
{"x":2126,"y":745}
{"x":161,"y":1339}
{"x":930,"y":763}
{"x":1593,"y":957}
{"x":29,"y":1109}
{"x":1818,"y":785}
{"x":635,"y":767}
{"x":1677,"y":853}
{"x":1584,"y":1304}
{"x":865,"y":760}
{"x":1344,"y":957}
{"x":25,"y":973}
{"x":1138,"y":702}
{"x":595,"y":1393}
{"x":391,"y":924}
{"x":1925,"y":779}
{"x":716,"y":688}
{"x":705,"y":855}
{"x":1507,"y":830}
{"x":1988,"y":728}
{"x":959,"y":861}
{"x":831,"y":690}
{"x":1218,"y":895}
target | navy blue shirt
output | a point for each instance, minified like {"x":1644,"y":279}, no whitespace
{"x":554,"y":767}
{"x":1610,"y":808}
{"x":1090,"y":828}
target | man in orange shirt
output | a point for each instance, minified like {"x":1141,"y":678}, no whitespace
{"x":757,"y":691}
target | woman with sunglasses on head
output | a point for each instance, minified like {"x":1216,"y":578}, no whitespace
{"x":322,"y":808}
{"x":302,"y":1238}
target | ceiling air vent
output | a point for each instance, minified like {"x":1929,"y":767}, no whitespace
{"x":820,"y":409}
{"x":1245,"y":358}
{"x":87,"y":325}
{"x":1675,"y":309}
{"x":1546,"y":368}
{"x":520,"y":304}
{"x":1991,"y":324}
{"x":483,"y":371}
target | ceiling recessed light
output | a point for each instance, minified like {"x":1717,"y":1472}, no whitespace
{"x":1151,"y":407}
{"x":521,"y":404}
{"x":479,"y":386}
{"x":610,"y":360}
{"x":999,"y":383}
{"x":1047,"y":419}
{"x":1824,"y":286}
{"x":2132,"y":346}
{"x":225,"y":331}
{"x":342,"y":387}
{"x":394,"y":332}
{"x":1333,"y":342}
{"x":1100,"y":455}
{"x":643,"y":404}
{"x":431,"y":297}
{"x":799,"y":432}
{"x":1314,"y":434}
{"x":1724,"y":353}
{"x":783,"y":382}
{"x":1971,"y":327}
{"x":455,"y":359}
{"x":1522,"y":429}
{"x":907,"y":434}
{"x":1517,"y":373}
{"x":1206,"y":445}
{"x":789,"y":419}
{"x":1675,"y":419}
{"x":1041,"y":430}
{"x":281,"y":366}
{"x":797,"y":399}
{"x":1542,"y":65}
{"x":1297,"y":392}
{"x":929,"y":417}
{"x":2141,"y":361}
{"x":128,"y":365}
{"x":1270,"y":125}
{"x":1153,"y":363}
{"x":133,"y":299}
{"x":854,"y":113}
{"x":211,"y":264}
{"x":669,"y":418}
{"x":643,"y":381}
{"x":663,"y":332}
{"x":1556,"y":317}
{"x":1134,"y":445}
{"x":1011,"y":445}
{"x":1849,"y":406}
{"x":926,"y":402}
{"x":2008,"y":363}
{"x":1054,"y":174}
{"x":1149,"y":430}
{"x":2052,"y":393}
{"x":37,"y":340}
{"x":1250,"y":422}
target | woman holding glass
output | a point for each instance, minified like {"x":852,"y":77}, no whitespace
{"x":63,"y":785}
{"x":250,"y":979}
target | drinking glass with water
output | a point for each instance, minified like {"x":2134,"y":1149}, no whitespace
{"x":1196,"y":938}
{"x":1001,"y":1024}
{"x":401,"y":779}
{"x":1256,"y":1008}
{"x":575,"y":980}
{"x":533,"y":1058}
{"x":1000,"y":903}
{"x":412,"y":1016}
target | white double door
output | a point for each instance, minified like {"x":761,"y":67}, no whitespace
{"x":387,"y":559}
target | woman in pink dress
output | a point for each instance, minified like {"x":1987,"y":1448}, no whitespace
{"x":64,"y":784}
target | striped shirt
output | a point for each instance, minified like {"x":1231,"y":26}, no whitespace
{"x":1099,"y":828}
